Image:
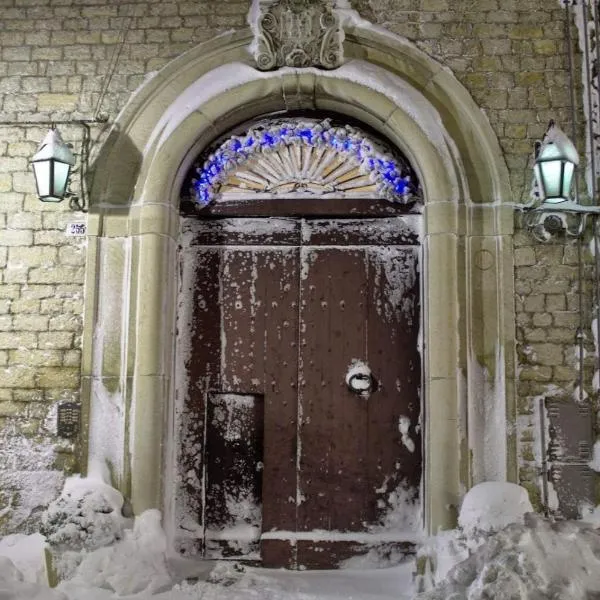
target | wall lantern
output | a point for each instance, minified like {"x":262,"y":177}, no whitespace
{"x":555,"y":162}
{"x":554,"y":211}
{"x":52,"y":165}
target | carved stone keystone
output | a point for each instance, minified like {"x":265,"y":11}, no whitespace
{"x":298,"y":33}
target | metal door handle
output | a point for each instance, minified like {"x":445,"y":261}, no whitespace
{"x":360,"y":383}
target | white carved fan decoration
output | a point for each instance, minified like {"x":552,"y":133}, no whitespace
{"x":294,"y":158}
{"x":298,"y":170}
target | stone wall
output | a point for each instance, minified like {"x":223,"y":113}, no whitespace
{"x":70,"y":59}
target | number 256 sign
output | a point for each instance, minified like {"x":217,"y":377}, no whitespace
{"x":76,"y":229}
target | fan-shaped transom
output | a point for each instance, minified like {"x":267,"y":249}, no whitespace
{"x":295,"y":158}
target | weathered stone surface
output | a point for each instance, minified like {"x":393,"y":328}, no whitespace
{"x":53,"y":58}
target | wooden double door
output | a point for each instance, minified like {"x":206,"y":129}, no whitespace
{"x":298,"y":467}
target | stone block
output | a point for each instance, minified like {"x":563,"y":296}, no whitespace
{"x":533,"y":273}
{"x":556,"y":302}
{"x":51,"y":306}
{"x":545,"y":47}
{"x":53,"y":340}
{"x":50,"y":238}
{"x":24,"y":220}
{"x":561,"y":335}
{"x":20,"y":103}
{"x":566,"y":319}
{"x":534,"y":303}
{"x":32,"y":256}
{"x":562,"y":373}
{"x":25,"y":305}
{"x":72,"y":255}
{"x":30,"y":322}
{"x":58,"y":274}
{"x":535,"y":373}
{"x":63,"y":102}
{"x":36,"y":358}
{"x":534,"y":335}
{"x":16,"y":53}
{"x":72,"y":358}
{"x":57,"y":377}
{"x":548,"y":354}
{"x":18,"y":376}
{"x":24,"y":183}
{"x":5,"y":182}
{"x":38,"y":291}
{"x":11,"y":408}
{"x":15,"y":274}
{"x":54,"y":53}
{"x":526,"y":32}
{"x":65,"y":322}
{"x":12,"y":164}
{"x":9,"y":292}
{"x":522,"y":287}
{"x":16,"y":237}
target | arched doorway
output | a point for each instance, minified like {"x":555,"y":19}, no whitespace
{"x":129,"y":366}
{"x":299,"y":397}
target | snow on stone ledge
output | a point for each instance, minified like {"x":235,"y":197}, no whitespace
{"x":492,"y":505}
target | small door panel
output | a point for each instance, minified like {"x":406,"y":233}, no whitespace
{"x":233,"y":475}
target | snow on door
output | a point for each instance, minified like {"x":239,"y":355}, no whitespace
{"x":294,"y":466}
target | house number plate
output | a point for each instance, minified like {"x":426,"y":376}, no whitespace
{"x":76,"y":229}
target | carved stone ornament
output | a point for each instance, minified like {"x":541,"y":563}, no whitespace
{"x":298,"y":33}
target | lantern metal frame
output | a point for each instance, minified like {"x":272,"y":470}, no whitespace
{"x":77,"y":201}
{"x":53,"y":151}
{"x":550,"y":215}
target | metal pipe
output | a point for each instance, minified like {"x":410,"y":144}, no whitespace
{"x":542,"y":411}
{"x":571,"y":84}
{"x":588,"y":77}
{"x":94,"y":121}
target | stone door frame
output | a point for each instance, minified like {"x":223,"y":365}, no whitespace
{"x":128,"y":365}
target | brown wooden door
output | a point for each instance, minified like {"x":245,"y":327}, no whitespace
{"x":283,"y":308}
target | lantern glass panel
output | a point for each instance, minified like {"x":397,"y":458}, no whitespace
{"x":61,"y":175}
{"x":568,"y":179}
{"x":551,"y":171}
{"x":41,"y":170}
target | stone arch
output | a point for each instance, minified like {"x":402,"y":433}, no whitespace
{"x":128,"y":359}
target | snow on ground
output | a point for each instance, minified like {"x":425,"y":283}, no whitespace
{"x":501,"y":550}
{"x":537,"y":560}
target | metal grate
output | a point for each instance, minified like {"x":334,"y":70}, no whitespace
{"x":68,"y":419}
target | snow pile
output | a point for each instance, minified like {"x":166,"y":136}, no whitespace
{"x":487,"y":508}
{"x":505,"y":551}
{"x":26,"y":552}
{"x":493,"y":505}
{"x":86,"y":516}
{"x":134,"y":565}
{"x":14,"y":587}
{"x":536,"y":560}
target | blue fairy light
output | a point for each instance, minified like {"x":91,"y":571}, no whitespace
{"x":385,"y":170}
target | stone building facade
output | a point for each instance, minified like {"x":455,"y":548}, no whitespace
{"x":66,"y":60}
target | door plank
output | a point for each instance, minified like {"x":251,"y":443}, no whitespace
{"x":394,"y":457}
{"x":280,"y":273}
{"x":333,"y":433}
{"x":199,"y":350}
